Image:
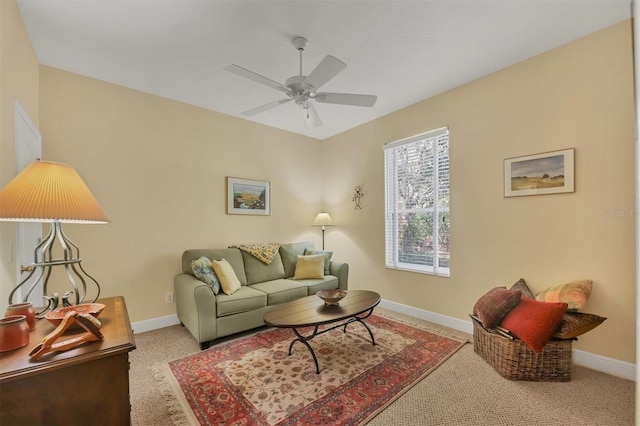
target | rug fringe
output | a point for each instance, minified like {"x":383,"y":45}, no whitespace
{"x":176,"y":413}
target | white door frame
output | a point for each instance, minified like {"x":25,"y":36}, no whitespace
{"x":27,"y":148}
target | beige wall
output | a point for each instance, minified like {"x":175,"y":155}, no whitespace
{"x":577,"y":96}
{"x":18,"y":81}
{"x":158,"y":168}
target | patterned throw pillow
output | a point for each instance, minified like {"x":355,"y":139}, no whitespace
{"x":309,"y":267}
{"x":574,"y":294}
{"x":228,"y":279}
{"x":203,"y":270}
{"x":524,"y":288}
{"x":327,"y":258}
{"x":534,"y":322}
{"x":495,"y":304}
{"x":574,"y":324}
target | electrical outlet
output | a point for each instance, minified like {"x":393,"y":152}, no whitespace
{"x":168,"y":298}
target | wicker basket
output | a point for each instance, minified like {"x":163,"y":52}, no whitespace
{"x":514,"y":360}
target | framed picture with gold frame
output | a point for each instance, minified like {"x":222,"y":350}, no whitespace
{"x":246,"y":196}
{"x":538,"y":174}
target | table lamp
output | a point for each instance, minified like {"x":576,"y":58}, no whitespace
{"x":322,"y":219}
{"x":52,"y":192}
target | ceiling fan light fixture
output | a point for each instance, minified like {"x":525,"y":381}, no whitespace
{"x":301,"y":88}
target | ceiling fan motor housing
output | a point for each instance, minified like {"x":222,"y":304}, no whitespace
{"x":300,"y":43}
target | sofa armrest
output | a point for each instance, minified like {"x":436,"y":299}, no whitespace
{"x":196,"y":306}
{"x":340,"y":270}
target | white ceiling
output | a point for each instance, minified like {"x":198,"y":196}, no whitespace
{"x":403,"y":51}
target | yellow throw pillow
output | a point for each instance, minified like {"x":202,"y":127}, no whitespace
{"x":311,"y":266}
{"x":226,"y":275}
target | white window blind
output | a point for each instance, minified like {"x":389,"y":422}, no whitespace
{"x":417,"y":225}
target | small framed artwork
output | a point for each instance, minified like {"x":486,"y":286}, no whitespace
{"x":246,"y":196}
{"x":538,"y":174}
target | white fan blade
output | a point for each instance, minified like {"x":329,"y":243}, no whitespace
{"x":242,"y":72}
{"x":346,"y":99}
{"x":311,"y":115}
{"x":328,"y":68}
{"x":266,"y":107}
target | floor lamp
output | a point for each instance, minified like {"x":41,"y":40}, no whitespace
{"x":322,"y":219}
{"x":52,"y":192}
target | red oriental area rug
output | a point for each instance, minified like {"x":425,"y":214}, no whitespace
{"x":253,"y":380}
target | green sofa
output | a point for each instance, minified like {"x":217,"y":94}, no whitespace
{"x":208,"y":316}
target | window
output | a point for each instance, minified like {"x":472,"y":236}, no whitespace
{"x":417,"y":226}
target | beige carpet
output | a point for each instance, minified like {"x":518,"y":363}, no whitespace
{"x":462,"y":391}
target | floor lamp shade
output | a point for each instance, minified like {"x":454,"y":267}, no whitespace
{"x":322,"y":219}
{"x":52,"y":192}
{"x":49,"y":192}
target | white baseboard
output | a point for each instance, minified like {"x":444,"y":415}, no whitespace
{"x":456,"y":324}
{"x":625,"y":370}
{"x":155,"y":323}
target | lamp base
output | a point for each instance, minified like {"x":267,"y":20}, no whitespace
{"x":43,"y":264}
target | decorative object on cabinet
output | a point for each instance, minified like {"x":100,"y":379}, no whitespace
{"x":246,"y":196}
{"x":14,"y":332}
{"x":538,"y":174}
{"x":52,"y":192}
{"x":322,"y":219}
{"x":68,"y":388}
{"x":86,"y":321}
{"x":25,"y":309}
{"x":56,"y":316}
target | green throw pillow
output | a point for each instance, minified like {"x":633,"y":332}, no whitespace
{"x":327,"y":258}
{"x":203,"y":270}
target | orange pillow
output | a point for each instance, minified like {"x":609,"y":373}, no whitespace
{"x":534,"y":322}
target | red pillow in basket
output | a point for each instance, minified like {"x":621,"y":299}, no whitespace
{"x":534,"y":322}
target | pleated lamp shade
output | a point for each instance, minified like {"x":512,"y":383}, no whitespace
{"x":322,"y":219}
{"x":49,"y":192}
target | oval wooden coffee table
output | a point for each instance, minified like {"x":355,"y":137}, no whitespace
{"x":311,"y":311}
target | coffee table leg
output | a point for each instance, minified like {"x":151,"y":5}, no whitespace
{"x":361,"y":321}
{"x":303,"y":339}
{"x":373,"y":340}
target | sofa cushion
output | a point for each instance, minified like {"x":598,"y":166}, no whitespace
{"x":534,"y":322}
{"x":327,"y":258}
{"x":203,"y":270}
{"x":328,"y":282}
{"x":311,"y":266}
{"x":574,"y":294}
{"x":244,"y":300}
{"x":289,"y":253}
{"x":257,"y":271}
{"x":232,"y":255}
{"x":280,"y":291}
{"x":228,"y":280}
{"x":524,"y":288}
{"x":574,"y":324}
{"x":495,"y":304}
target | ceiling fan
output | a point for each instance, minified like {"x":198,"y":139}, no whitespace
{"x":302,"y":89}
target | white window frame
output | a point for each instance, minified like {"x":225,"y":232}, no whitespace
{"x":392,"y":208}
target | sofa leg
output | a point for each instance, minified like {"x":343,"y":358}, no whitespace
{"x":204,"y":345}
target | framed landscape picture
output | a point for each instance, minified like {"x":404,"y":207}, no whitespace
{"x":546,"y":173}
{"x":246,"y":196}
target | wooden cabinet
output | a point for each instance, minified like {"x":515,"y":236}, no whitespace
{"x":88,"y":385}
